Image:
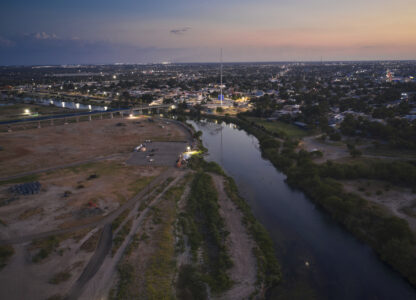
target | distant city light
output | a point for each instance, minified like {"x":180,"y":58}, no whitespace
{"x":114,"y":77}
{"x":27,"y":111}
{"x":105,"y":107}
{"x":63,"y":104}
{"x":77,"y":105}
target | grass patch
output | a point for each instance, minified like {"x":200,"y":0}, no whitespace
{"x":159,"y":272}
{"x":139,"y":184}
{"x":133,"y":244}
{"x":23,"y":179}
{"x":280,"y":128}
{"x":116,"y":223}
{"x":6,"y":251}
{"x":126,"y":277}
{"x":161,"y":265}
{"x":190,"y":284}
{"x":60,"y":277}
{"x":120,"y":237}
{"x":50,"y":244}
{"x":204,"y":226}
{"x":30,"y":213}
{"x":46,"y":246}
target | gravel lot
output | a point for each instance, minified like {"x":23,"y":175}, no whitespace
{"x":158,"y":154}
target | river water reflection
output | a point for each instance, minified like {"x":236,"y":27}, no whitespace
{"x":340,"y":267}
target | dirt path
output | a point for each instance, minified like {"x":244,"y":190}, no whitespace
{"x":99,"y":286}
{"x":94,"y":264}
{"x":240,"y":245}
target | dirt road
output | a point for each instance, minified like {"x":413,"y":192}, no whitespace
{"x":104,"y":246}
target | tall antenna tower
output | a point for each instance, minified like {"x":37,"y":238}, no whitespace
{"x":221,"y":95}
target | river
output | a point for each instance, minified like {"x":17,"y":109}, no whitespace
{"x":319,"y":259}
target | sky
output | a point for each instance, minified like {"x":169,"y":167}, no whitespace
{"x":39,"y":32}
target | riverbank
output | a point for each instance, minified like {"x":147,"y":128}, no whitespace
{"x":389,"y":236}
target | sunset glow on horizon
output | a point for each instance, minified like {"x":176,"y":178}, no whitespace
{"x":187,"y":31}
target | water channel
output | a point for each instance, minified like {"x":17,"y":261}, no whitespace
{"x":319,"y":259}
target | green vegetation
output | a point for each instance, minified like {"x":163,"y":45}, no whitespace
{"x":156,"y":190}
{"x":204,"y":226}
{"x":162,"y":186}
{"x":191,"y":284}
{"x":6,"y":251}
{"x":23,"y":179}
{"x":268,"y":267}
{"x":138,"y":185}
{"x":134,"y":243}
{"x":60,"y":277}
{"x":389,"y":236}
{"x":116,"y":223}
{"x":282,"y":129}
{"x":126,"y":276}
{"x":46,"y":246}
{"x":162,"y":265}
{"x":400,"y":134}
{"x":395,"y":172}
{"x":121,"y":235}
{"x":17,"y":111}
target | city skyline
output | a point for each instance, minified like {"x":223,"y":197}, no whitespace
{"x":100,"y":32}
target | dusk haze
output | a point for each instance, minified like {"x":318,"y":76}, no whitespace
{"x":208,"y":150}
{"x":127,"y":31}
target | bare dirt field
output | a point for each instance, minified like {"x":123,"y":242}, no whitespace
{"x":330,"y":150}
{"x":72,"y":196}
{"x":400,"y":201}
{"x":54,"y":233}
{"x":33,"y":149}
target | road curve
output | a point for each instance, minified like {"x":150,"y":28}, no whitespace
{"x":103,"y":247}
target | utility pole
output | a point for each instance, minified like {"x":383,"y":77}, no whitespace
{"x":221,"y":96}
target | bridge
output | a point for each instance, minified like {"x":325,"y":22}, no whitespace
{"x":76,"y":117}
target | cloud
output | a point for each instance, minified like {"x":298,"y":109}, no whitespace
{"x":179,"y":31}
{"x":5,"y":42}
{"x":42,"y":36}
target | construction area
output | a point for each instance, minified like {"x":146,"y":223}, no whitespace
{"x":101,"y":210}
